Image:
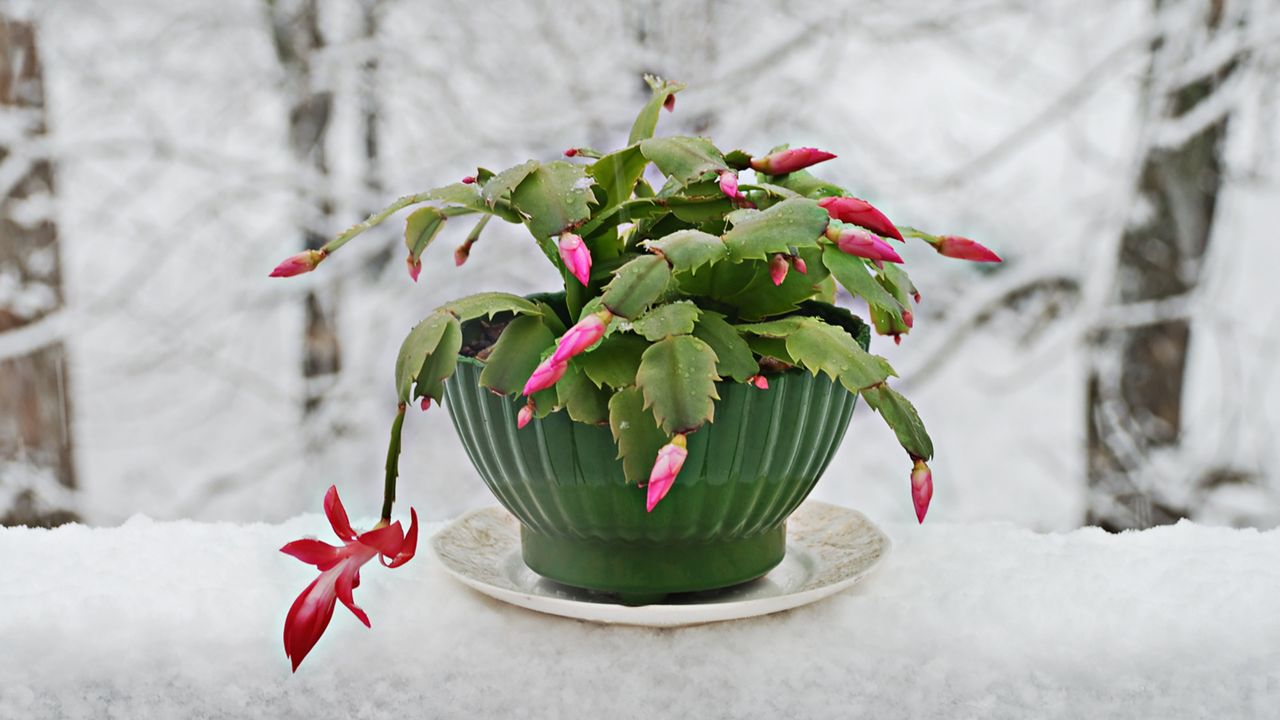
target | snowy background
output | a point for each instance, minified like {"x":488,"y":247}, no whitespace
{"x":1020,"y":124}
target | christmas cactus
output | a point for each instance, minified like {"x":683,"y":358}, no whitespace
{"x":667,"y":290}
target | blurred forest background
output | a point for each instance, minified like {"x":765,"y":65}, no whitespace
{"x":158,"y":158}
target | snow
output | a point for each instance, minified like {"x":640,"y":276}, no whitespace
{"x":183,"y":619}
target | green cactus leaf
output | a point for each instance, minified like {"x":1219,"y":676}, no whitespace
{"x":675,"y":318}
{"x":647,"y":121}
{"x":853,"y":273}
{"x":422,"y":226}
{"x":795,"y":223}
{"x":615,"y":361}
{"x":635,"y":432}
{"x":583,"y":400}
{"x":554,"y":197}
{"x":899,"y":414}
{"x":421,"y":341}
{"x":489,"y":304}
{"x":683,"y":159}
{"x":617,"y":173}
{"x":733,"y":355}
{"x":773,"y":348}
{"x":688,"y":250}
{"x":504,"y":183}
{"x":819,"y":347}
{"x":804,"y":183}
{"x":636,"y":285}
{"x":440,"y":363}
{"x":678,"y":378}
{"x":518,"y":351}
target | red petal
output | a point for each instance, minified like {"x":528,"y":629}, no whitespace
{"x":313,"y":552}
{"x":338,"y":515}
{"x":386,"y":540}
{"x":410,"y":545}
{"x":308,"y":617}
{"x":349,"y":579}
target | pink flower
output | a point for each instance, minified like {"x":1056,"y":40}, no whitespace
{"x":759,"y":381}
{"x":581,"y":336}
{"x":524,"y":416}
{"x":856,"y":241}
{"x":786,"y":161}
{"x":778,"y":268}
{"x":954,"y":246}
{"x":469,"y":180}
{"x":303,"y":262}
{"x":576,"y":256}
{"x":670,"y":459}
{"x":860,"y":212}
{"x":545,"y":375}
{"x":339,"y":573}
{"x":921,"y":488}
{"x":415,"y":267}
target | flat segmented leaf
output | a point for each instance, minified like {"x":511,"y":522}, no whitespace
{"x":895,"y":280}
{"x":440,"y":363}
{"x":421,"y":227}
{"x":518,"y":351}
{"x":902,"y":417}
{"x":675,"y":318}
{"x":636,"y":285}
{"x":804,"y":183}
{"x":505,"y":182}
{"x":683,"y":159}
{"x":733,"y":354}
{"x":421,"y":341}
{"x":678,"y":378}
{"x":635,"y":432}
{"x":820,"y":347}
{"x":553,"y":197}
{"x":853,"y":273}
{"x":795,"y":223}
{"x":615,"y":362}
{"x":617,"y":173}
{"x":688,"y":250}
{"x":583,"y":400}
{"x":767,"y":347}
{"x":647,"y":121}
{"x":490,"y":304}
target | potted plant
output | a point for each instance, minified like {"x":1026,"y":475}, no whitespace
{"x":653,"y":425}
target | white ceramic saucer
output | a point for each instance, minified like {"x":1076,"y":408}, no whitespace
{"x":829,"y":548}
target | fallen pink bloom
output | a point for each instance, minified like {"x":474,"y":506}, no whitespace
{"x":962,"y":248}
{"x":339,"y":573}
{"x":863,"y":243}
{"x":856,"y":211}
{"x":665,"y":468}
{"x":921,"y":488}
{"x":787,"y":161}
{"x":303,"y":262}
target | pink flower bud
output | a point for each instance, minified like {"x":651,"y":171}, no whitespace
{"x":576,"y":256}
{"x":303,"y":262}
{"x":758,"y":381}
{"x":915,"y":295}
{"x":571,"y":152}
{"x":856,"y":241}
{"x":954,"y":246}
{"x":670,"y":103}
{"x":729,"y":184}
{"x":665,"y":468}
{"x":786,"y":161}
{"x":426,"y":403}
{"x":778,"y":267}
{"x":860,"y":212}
{"x":921,"y":488}
{"x":581,"y":336}
{"x":798,"y":264}
{"x":415,"y":266}
{"x":548,"y":373}
{"x":461,"y":255}
{"x":469,"y":180}
{"x":907,"y":318}
{"x":524,"y":416}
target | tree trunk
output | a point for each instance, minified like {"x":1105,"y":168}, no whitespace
{"x":37,"y":471}
{"x":298,"y":41}
{"x":1137,"y":369}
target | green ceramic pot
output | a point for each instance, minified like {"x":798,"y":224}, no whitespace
{"x":722,"y":523}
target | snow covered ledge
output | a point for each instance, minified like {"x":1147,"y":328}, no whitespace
{"x":183,"y":619}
